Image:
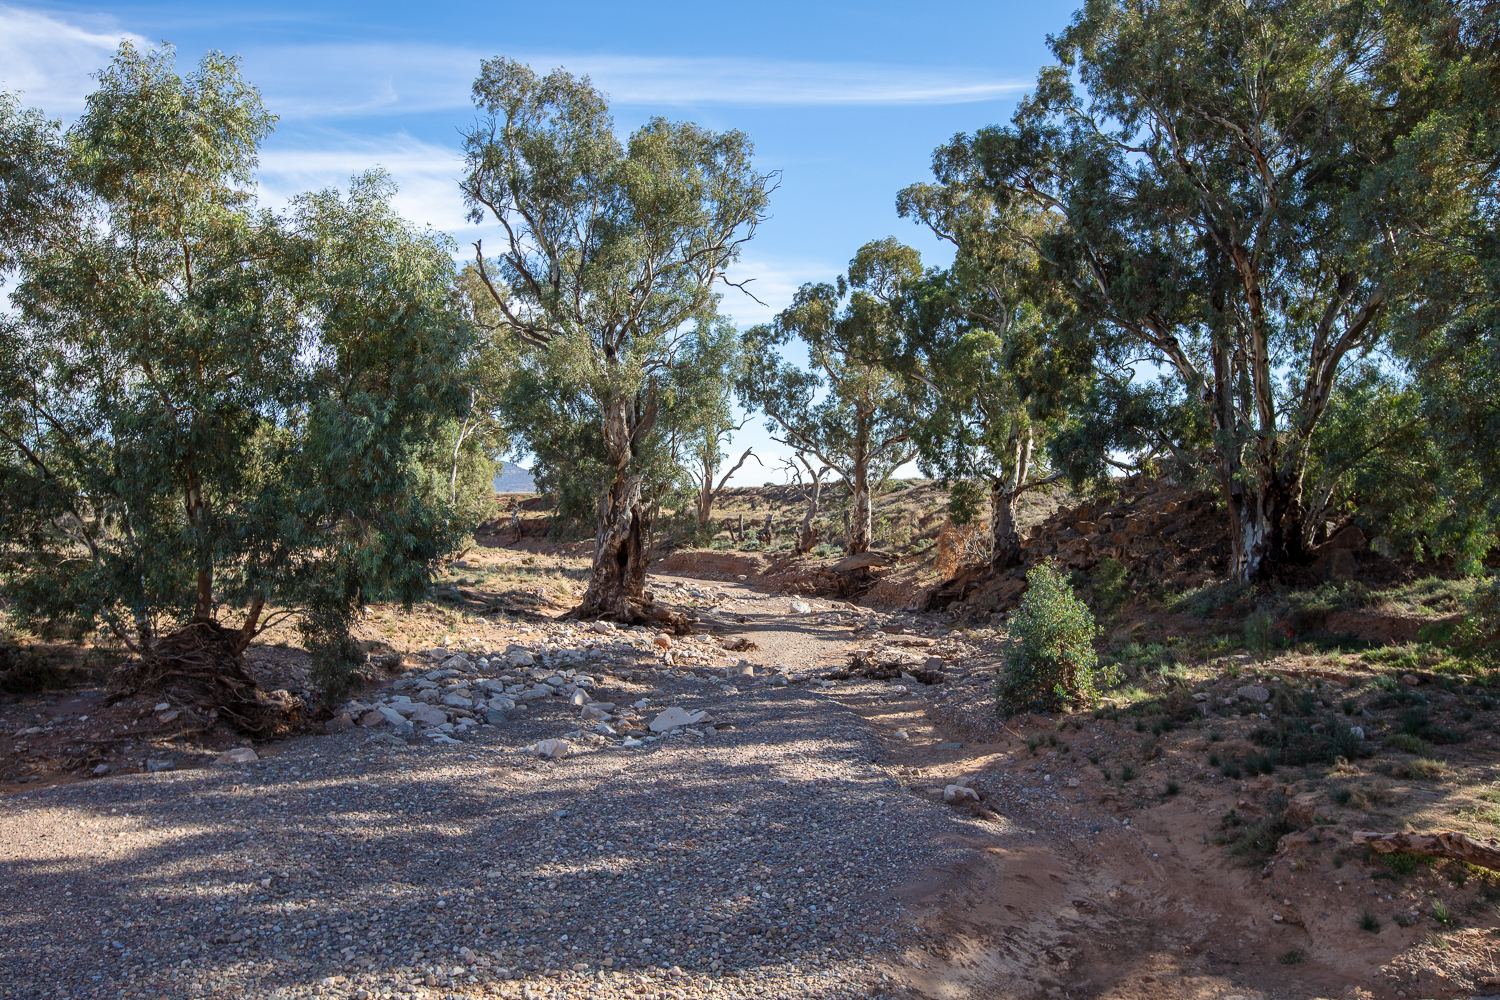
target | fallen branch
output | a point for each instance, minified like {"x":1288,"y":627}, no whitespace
{"x":1453,"y":846}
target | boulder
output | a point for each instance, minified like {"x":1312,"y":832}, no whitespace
{"x":551,"y":749}
{"x":372,"y":718}
{"x":519,"y":658}
{"x":801,"y":607}
{"x":1302,"y":810}
{"x":339,"y":723}
{"x":956,"y":795}
{"x":1254,"y":692}
{"x":428,"y":715}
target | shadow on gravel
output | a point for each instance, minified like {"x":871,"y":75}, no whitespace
{"x":773,"y":843}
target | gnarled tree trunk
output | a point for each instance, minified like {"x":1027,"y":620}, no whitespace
{"x":1007,"y":539}
{"x":617,"y":582}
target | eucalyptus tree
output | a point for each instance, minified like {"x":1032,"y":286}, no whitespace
{"x":994,"y":373}
{"x":212,"y":416}
{"x":610,"y":252}
{"x":1212,"y":176}
{"x":849,"y":408}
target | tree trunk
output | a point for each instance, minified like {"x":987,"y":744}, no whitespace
{"x":860,"y":518}
{"x":617,"y":583}
{"x":807,"y":539}
{"x":1007,"y":545}
{"x":1267,"y":524}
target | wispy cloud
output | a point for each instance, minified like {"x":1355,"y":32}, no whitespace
{"x":361,"y":79}
{"x":426,"y":175}
{"x":50,"y":61}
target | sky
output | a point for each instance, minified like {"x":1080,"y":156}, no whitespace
{"x":846,"y":100}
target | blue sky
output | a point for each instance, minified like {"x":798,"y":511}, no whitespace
{"x":846,"y":100}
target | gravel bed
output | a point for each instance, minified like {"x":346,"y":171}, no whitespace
{"x":758,"y":860}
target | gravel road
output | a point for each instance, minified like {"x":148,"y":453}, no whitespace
{"x":763,"y":859}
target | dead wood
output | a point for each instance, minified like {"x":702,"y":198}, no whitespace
{"x":200,"y":667}
{"x":1452,"y":846}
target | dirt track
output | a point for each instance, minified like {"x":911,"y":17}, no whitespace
{"x":795,"y":852}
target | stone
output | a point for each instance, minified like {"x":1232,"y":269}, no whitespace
{"x":1410,"y":680}
{"x":662,"y":641}
{"x":161,"y":765}
{"x":372,"y":718}
{"x":1340,"y":564}
{"x":604,"y":729}
{"x":1254,"y":692}
{"x":428,"y":715}
{"x":552,"y":749}
{"x":602,"y":627}
{"x":532,"y":694}
{"x":777,"y":681}
{"x":519,"y":658}
{"x":631,"y":741}
{"x":1201,"y":696}
{"x":1358,"y":731}
{"x":1072,"y":782}
{"x":934,"y":663}
{"x":675,"y":718}
{"x":956,"y":795}
{"x":801,"y":608}
{"x":457,"y":701}
{"x":436,"y":653}
{"x":1302,"y":810}
{"x":340,"y":723}
{"x":440,"y":675}
{"x":168,"y":716}
{"x":239,"y":755}
{"x":162,"y":707}
{"x":592,"y":712}
{"x":403,"y":709}
{"x":101,"y":770}
{"x":459,"y":662}
{"x":579,"y":699}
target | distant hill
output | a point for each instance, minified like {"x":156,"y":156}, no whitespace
{"x":513,"y":479}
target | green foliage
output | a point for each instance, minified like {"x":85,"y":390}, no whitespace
{"x":1194,"y":223}
{"x":1260,"y":630}
{"x":966,"y":500}
{"x":205,"y":407}
{"x":1409,"y":743}
{"x":1111,"y":585}
{"x":1050,"y":660}
{"x":849,"y":408}
{"x":605,"y":278}
{"x":1480,"y":631}
{"x":335,"y":656}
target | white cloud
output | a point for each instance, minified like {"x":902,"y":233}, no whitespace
{"x":772,"y":281}
{"x":426,"y":175}
{"x":366,"y":79}
{"x":50,"y":61}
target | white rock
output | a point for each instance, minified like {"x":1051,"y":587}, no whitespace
{"x":579,"y":699}
{"x":457,"y":701}
{"x":640,"y":706}
{"x":675,"y":718}
{"x":604,"y":729}
{"x":602,"y":627}
{"x":428,"y":715}
{"x":1358,"y":731}
{"x":959,"y":794}
{"x":595,"y":712}
{"x":553,"y":749}
{"x":392,"y":716}
{"x":162,"y":707}
{"x":459,"y":662}
{"x":801,"y":608}
{"x":519,"y":658}
{"x":1254,"y":692}
{"x":239,"y":755}
{"x":631,"y":741}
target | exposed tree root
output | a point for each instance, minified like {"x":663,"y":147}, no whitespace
{"x":629,"y":611}
{"x":200,"y":667}
{"x":1453,"y":846}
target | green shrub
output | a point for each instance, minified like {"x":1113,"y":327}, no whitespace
{"x":1050,"y":661}
{"x":1259,"y":628}
{"x":25,"y":672}
{"x":1480,"y":631}
{"x":1111,"y":588}
{"x":1409,"y":743}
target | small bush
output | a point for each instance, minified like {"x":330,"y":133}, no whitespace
{"x":1127,"y":773}
{"x":1423,"y":769}
{"x":25,"y":672}
{"x":1260,"y":627}
{"x":1293,"y":957}
{"x":1409,"y":743}
{"x":1442,"y":914}
{"x":336,"y":659}
{"x":1110,"y":586}
{"x":1404,"y":863}
{"x":1369,"y":922}
{"x":1050,"y":661}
